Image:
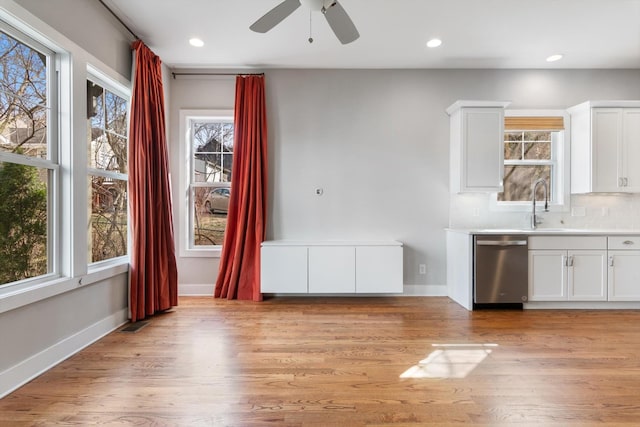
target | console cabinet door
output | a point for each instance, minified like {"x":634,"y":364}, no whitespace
{"x":283,"y":269}
{"x":587,"y":275}
{"x":332,"y":269}
{"x":624,"y":275}
{"x":547,"y":275}
{"x":379,"y":269}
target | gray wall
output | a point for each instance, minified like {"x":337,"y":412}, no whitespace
{"x":88,"y":24}
{"x":377,"y":142}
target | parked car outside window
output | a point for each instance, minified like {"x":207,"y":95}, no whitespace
{"x":218,"y":200}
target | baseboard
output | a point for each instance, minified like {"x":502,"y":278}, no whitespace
{"x":25,"y":371}
{"x":187,"y":289}
{"x":425,"y":290}
{"x":192,"y":290}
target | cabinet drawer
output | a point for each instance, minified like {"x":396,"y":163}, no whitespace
{"x":567,"y":242}
{"x":624,"y":242}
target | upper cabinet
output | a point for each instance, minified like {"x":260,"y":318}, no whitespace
{"x":477,"y":140}
{"x":605,"y":147}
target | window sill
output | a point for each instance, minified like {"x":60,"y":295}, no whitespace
{"x":215,"y":252}
{"x":12,"y":297}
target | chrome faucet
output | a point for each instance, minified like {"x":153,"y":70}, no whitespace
{"x":534,"y":219}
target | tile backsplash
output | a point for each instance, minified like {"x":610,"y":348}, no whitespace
{"x":588,"y":211}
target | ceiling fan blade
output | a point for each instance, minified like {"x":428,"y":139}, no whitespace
{"x":275,"y":16}
{"x":341,"y":24}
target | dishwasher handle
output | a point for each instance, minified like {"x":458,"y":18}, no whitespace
{"x":501,"y":242}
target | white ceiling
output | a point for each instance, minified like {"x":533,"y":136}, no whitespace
{"x":393,"y":33}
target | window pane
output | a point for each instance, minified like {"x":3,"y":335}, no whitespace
{"x":537,"y":136}
{"x":116,"y":114}
{"x":209,"y":216}
{"x":107,"y":129}
{"x":108,"y":152}
{"x":23,"y":221}
{"x":23,"y":98}
{"x":513,"y":136}
{"x":207,"y":167}
{"x":519,"y":179}
{"x":108,"y":218}
{"x":513,"y":151}
{"x":537,"y":150}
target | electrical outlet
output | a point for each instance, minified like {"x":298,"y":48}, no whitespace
{"x":423,"y":269}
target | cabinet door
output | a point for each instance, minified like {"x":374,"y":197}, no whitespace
{"x":482,"y":149}
{"x":606,"y":149}
{"x":332,"y":269}
{"x":586,"y":276}
{"x":624,"y":275}
{"x":630,"y":156}
{"x":547,"y":275}
{"x":379,"y":269}
{"x":283,"y":269}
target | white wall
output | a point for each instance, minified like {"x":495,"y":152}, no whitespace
{"x":377,"y":142}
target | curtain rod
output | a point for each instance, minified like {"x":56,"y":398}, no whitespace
{"x":119,"y":20}
{"x":216,"y":74}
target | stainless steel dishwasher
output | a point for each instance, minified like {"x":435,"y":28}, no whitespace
{"x":500,"y":270}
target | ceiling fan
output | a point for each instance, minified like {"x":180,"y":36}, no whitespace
{"x":332,"y":10}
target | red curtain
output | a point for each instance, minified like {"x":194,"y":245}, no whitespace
{"x":239,"y":272}
{"x":153,"y":273}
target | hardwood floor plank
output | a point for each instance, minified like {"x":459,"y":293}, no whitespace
{"x":382,"y":361}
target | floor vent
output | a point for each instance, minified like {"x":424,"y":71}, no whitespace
{"x":134,"y":327}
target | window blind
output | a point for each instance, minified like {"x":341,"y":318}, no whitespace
{"x":534,"y":123}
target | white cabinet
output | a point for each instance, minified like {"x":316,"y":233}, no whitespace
{"x":477,"y":146}
{"x":624,"y":268}
{"x":568,"y":268}
{"x":331,"y":267}
{"x":605,"y":147}
{"x":283,"y":269}
{"x":378,"y":269}
{"x":547,"y":275}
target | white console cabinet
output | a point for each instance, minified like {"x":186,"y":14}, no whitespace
{"x":331,"y":267}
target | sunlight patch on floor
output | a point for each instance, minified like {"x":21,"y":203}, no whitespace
{"x":450,"y":361}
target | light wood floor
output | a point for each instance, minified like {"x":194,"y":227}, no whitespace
{"x":347,"y":362}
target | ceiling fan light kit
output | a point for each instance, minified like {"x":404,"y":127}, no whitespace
{"x":334,"y":13}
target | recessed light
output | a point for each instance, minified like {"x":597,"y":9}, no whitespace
{"x":434,"y":43}
{"x":554,"y":58}
{"x":196,"y":42}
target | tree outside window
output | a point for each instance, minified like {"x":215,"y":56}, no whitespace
{"x":107,"y":152}
{"x":27,"y":162}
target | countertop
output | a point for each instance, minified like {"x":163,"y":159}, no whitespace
{"x":546,"y":231}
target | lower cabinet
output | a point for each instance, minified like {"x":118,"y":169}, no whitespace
{"x":624,"y":275}
{"x":558,"y":274}
{"x":331,"y":267}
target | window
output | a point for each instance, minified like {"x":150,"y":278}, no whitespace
{"x":28,"y":158}
{"x":209,"y":151}
{"x":107,"y":169}
{"x":534,"y":149}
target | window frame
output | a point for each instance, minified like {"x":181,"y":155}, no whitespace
{"x":51,"y":163}
{"x":96,"y":76}
{"x":185,"y":208}
{"x":561,"y":167}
